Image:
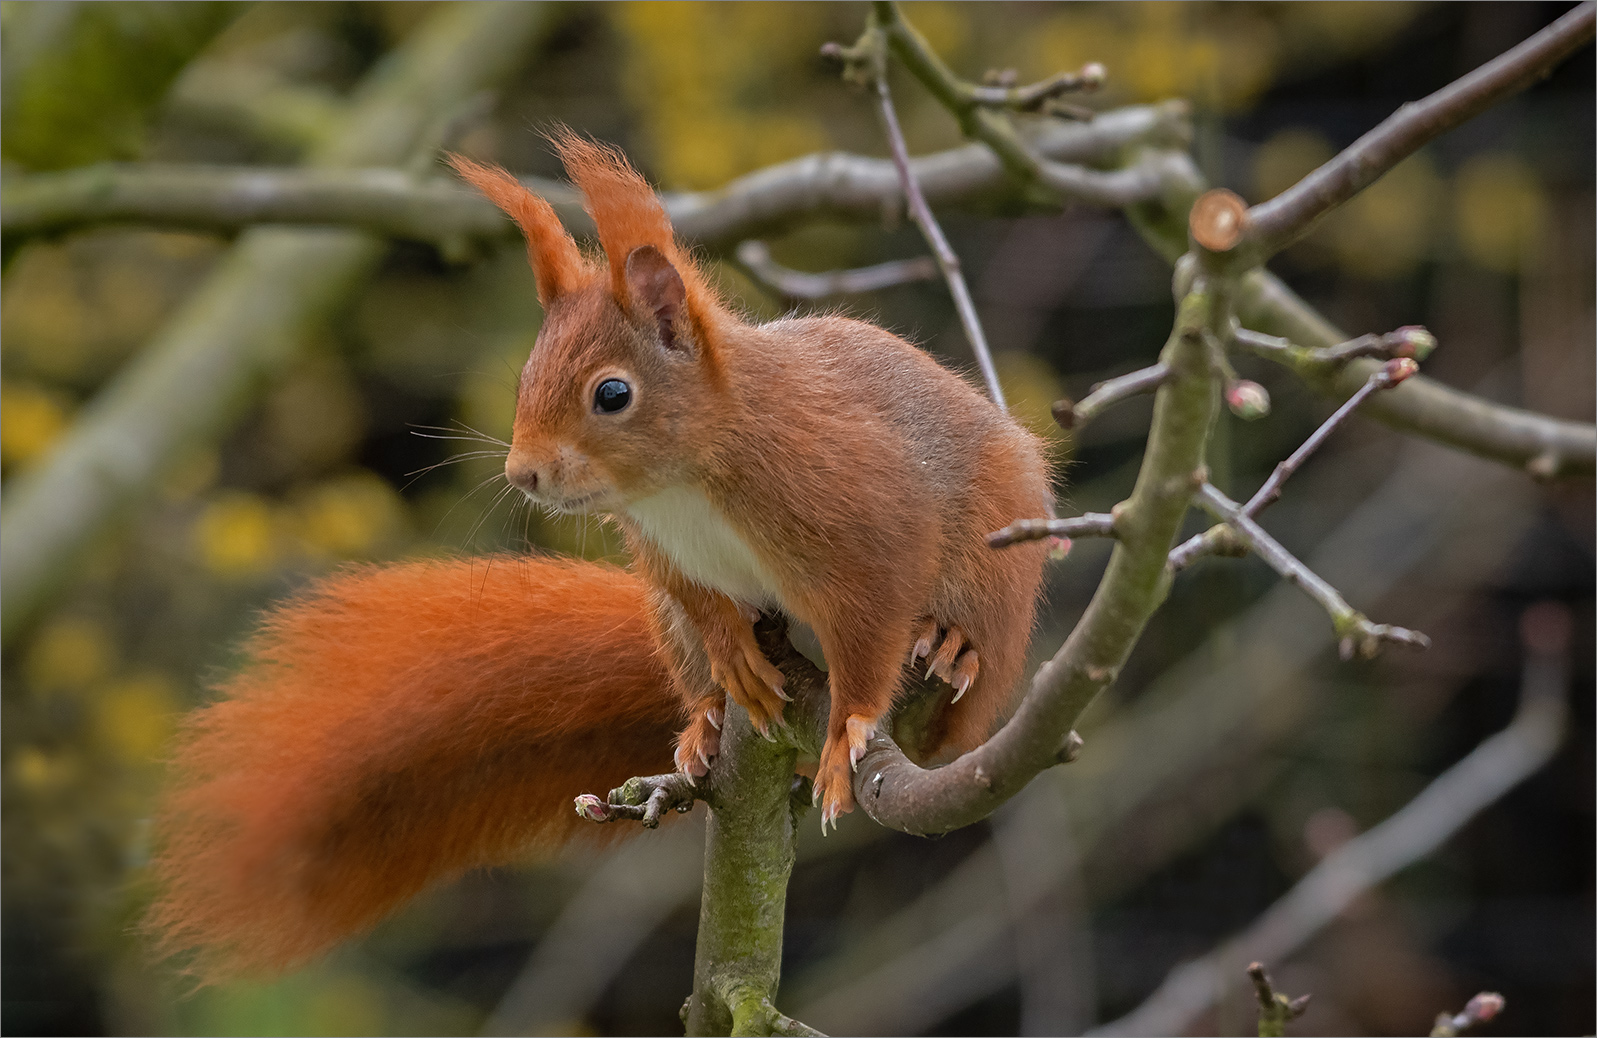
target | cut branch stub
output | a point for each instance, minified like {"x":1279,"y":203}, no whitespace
{"x":1218,"y":220}
{"x":1275,"y":1009}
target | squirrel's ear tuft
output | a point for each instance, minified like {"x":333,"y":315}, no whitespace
{"x":557,"y":263}
{"x":655,"y":284}
{"x":629,"y":217}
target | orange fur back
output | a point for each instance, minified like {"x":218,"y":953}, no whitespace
{"x":558,"y":265}
{"x":396,"y":727}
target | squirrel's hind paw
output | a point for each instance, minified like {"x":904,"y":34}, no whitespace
{"x":834,"y":776}
{"x":699,"y":743}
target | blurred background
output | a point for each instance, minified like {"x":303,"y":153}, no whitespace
{"x":1233,"y":754}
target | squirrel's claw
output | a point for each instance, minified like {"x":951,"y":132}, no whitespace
{"x":925,"y":638}
{"x":942,"y":661}
{"x":965,"y":670}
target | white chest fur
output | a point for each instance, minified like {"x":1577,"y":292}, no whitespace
{"x":693,"y":533}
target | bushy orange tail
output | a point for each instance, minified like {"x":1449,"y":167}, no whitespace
{"x":397,"y":726}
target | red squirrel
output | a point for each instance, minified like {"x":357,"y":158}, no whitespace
{"x":397,"y":725}
{"x":821,"y":466}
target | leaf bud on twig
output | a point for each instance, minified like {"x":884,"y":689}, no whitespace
{"x":1248,"y":400}
{"x":592,"y":808}
{"x":1413,"y":340}
{"x":1399,"y":369}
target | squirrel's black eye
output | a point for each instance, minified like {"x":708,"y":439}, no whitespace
{"x":611,"y":396}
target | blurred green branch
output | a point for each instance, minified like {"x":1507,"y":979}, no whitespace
{"x":248,"y":319}
{"x":833,"y":185}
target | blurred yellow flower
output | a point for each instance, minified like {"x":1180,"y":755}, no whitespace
{"x":70,"y":652}
{"x":134,"y":716}
{"x":1500,"y":210}
{"x":350,"y":516}
{"x":237,"y":535}
{"x":713,"y":109}
{"x":38,"y":771}
{"x":31,"y":420}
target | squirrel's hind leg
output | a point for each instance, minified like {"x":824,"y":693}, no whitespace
{"x":864,"y":677}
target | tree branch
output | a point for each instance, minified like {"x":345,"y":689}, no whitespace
{"x":800,"y":284}
{"x":947,"y":258}
{"x":1092,"y":524}
{"x":1273,"y":225}
{"x":1058,"y":180}
{"x":1547,"y":448}
{"x":1106,"y":394}
{"x":1275,"y":1009}
{"x":834,"y":185}
{"x":1419,"y":828}
{"x":1481,"y":1009}
{"x":1223,"y":540}
{"x":1355,"y":631}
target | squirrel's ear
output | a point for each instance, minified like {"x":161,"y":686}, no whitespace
{"x":657,"y":287}
{"x":557,"y":263}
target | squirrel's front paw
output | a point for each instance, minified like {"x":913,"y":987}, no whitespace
{"x":700,"y":741}
{"x":834,"y":776}
{"x":752,"y":682}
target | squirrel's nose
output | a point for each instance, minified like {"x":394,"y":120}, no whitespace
{"x":522,"y":472}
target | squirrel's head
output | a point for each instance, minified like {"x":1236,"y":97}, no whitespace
{"x":625,"y":371}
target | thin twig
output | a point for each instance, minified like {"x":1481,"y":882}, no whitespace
{"x":1059,"y":180}
{"x":1411,"y":341}
{"x":947,"y":258}
{"x":1275,"y":1009}
{"x":1215,"y":541}
{"x":800,"y":284}
{"x":643,"y":799}
{"x":1481,"y":1009}
{"x":1358,"y":636}
{"x":1547,"y":448}
{"x":1393,"y":373}
{"x":1106,"y":394}
{"x":1034,"y":96}
{"x":1421,"y":826}
{"x":1275,"y":224}
{"x":1092,"y":524}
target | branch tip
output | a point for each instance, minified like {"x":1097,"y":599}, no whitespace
{"x":1219,"y":220}
{"x":1481,"y":1009}
{"x":1275,"y":1009}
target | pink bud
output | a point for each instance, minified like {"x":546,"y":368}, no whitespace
{"x":1484,"y":1006}
{"x":1058,"y":547}
{"x":592,"y":808}
{"x":1400,"y":368}
{"x":1412,"y":340}
{"x":1093,"y":75}
{"x":1248,"y":400}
